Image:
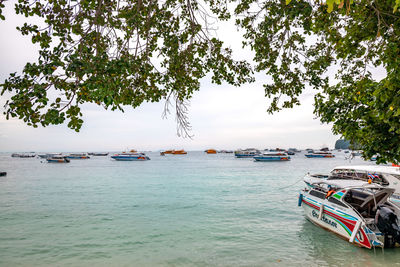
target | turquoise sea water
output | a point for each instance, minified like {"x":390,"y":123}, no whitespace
{"x":193,"y":210}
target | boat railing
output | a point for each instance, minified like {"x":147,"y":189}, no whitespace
{"x":321,"y":176}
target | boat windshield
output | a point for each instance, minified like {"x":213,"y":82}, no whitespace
{"x":365,"y":201}
{"x":394,"y":175}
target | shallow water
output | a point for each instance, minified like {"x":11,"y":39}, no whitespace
{"x":191,"y":210}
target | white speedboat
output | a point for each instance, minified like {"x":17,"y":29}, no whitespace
{"x":247,"y":153}
{"x":353,"y":209}
{"x":382,"y":175}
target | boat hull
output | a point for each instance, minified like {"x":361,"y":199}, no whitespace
{"x":284,"y":158}
{"x":135,"y":158}
{"x":100,"y":154}
{"x":245,"y":155}
{"x":57,"y":160}
{"x":320,"y":156}
{"x":337,"y":221}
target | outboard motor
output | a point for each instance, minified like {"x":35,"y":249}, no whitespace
{"x":386,"y":221}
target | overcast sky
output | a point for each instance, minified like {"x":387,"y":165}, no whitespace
{"x":222,"y":116}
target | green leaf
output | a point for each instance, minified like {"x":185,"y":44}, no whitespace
{"x":330,"y":4}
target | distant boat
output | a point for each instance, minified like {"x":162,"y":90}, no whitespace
{"x":225,"y":151}
{"x":58,"y":159}
{"x":211,"y":151}
{"x":98,"y":154}
{"x":47,"y":155}
{"x":23,"y":155}
{"x":173,"y":152}
{"x":3,"y":173}
{"x":277,"y":150}
{"x":247,"y":153}
{"x":179,"y":152}
{"x":78,"y":156}
{"x":272,"y":156}
{"x":129,"y":156}
{"x":320,"y":154}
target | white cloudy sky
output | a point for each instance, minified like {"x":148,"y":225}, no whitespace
{"x":222,"y":117}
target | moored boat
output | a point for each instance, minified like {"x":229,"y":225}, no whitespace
{"x":211,"y":151}
{"x":130,"y":156}
{"x":355,"y":210}
{"x":272,"y":156}
{"x":247,"y":153}
{"x":179,"y":152}
{"x":78,"y":156}
{"x":225,"y":151}
{"x":23,"y":155}
{"x":320,"y":154}
{"x":98,"y":154}
{"x":277,"y":150}
{"x":57,"y":159}
{"x":47,"y":155}
{"x":173,"y":152}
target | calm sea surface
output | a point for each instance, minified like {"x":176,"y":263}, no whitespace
{"x":193,"y":210}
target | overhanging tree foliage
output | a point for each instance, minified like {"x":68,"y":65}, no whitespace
{"x":116,"y":53}
{"x":333,"y":50}
{"x":125,"y":52}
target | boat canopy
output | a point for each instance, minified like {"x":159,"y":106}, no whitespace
{"x":369,"y":168}
{"x":340,"y":183}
